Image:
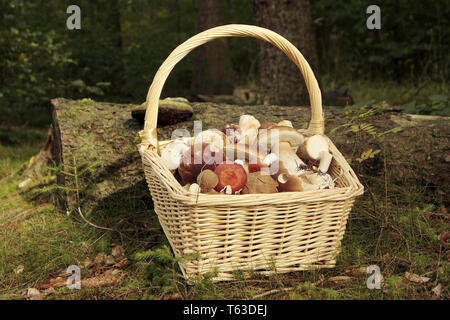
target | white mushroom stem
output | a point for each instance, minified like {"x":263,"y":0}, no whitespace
{"x":194,"y":188}
{"x":215,"y":138}
{"x":316,"y":148}
{"x":249,"y":128}
{"x":270,"y":159}
{"x":321,"y":181}
{"x":228,"y":190}
{"x":325,"y":160}
{"x":240,"y":162}
{"x":289,"y":158}
{"x":171,"y":155}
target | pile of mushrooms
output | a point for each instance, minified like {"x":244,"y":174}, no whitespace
{"x":250,"y":158}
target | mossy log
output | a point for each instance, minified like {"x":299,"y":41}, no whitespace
{"x":104,"y":135}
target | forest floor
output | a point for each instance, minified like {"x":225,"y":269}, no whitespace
{"x":394,"y":227}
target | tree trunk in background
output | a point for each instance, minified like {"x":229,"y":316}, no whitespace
{"x":213,"y":72}
{"x":280,"y":80}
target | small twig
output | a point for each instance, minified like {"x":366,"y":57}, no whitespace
{"x":268,"y":293}
{"x":406,"y":241}
{"x":91,"y":224}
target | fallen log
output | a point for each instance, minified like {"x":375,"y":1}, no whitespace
{"x":97,"y":141}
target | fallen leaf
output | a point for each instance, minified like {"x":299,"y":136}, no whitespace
{"x":172,"y":296}
{"x":437,"y":290}
{"x":54,"y":283}
{"x":100,"y":258}
{"x":33,"y":292}
{"x":19,"y":269}
{"x":121,"y":263}
{"x":109,"y":261}
{"x":107,"y":278}
{"x":88,"y":263}
{"x":444,"y":238}
{"x":43,"y":294}
{"x":118,"y":252}
{"x":416,"y":278}
{"x":24,"y":183}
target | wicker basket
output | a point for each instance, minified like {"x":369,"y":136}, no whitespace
{"x":285,"y":231}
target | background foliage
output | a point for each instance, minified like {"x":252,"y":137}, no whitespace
{"x":122,"y":43}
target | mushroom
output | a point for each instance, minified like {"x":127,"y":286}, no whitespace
{"x":171,"y":155}
{"x":249,"y":128}
{"x":207,"y":180}
{"x":322,"y":181}
{"x":259,"y":183}
{"x":284,"y":142}
{"x":213,"y":137}
{"x":305,"y":182}
{"x":267,"y":125}
{"x":193,"y":162}
{"x":289,"y":183}
{"x":247,"y":156}
{"x":285,"y":123}
{"x":232,"y":177}
{"x":233,"y":133}
{"x":194,"y":188}
{"x":240,"y":151}
{"x":316,"y":148}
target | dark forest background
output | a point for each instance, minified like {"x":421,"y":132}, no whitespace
{"x":122,"y":43}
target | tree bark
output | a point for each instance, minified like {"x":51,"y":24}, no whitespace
{"x":213,"y":72}
{"x":281,"y":82}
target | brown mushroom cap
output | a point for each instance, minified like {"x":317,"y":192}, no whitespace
{"x":259,"y":183}
{"x":267,"y":125}
{"x":207,"y":180}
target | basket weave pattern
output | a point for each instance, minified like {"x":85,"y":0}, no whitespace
{"x":286,"y":231}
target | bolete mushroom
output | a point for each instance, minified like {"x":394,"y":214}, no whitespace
{"x":252,"y":160}
{"x":316,"y":148}
{"x":232,"y":177}
{"x":233,"y":133}
{"x":259,"y":183}
{"x":290,"y":182}
{"x":267,"y":125}
{"x":249,"y":128}
{"x":285,"y":123}
{"x":194,"y":188}
{"x":320,"y":180}
{"x":284,"y":142}
{"x":207,"y":180}
{"x":171,"y":155}
{"x":193,"y":162}
{"x":213,"y":137}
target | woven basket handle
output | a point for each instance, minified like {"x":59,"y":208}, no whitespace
{"x":316,"y":125}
